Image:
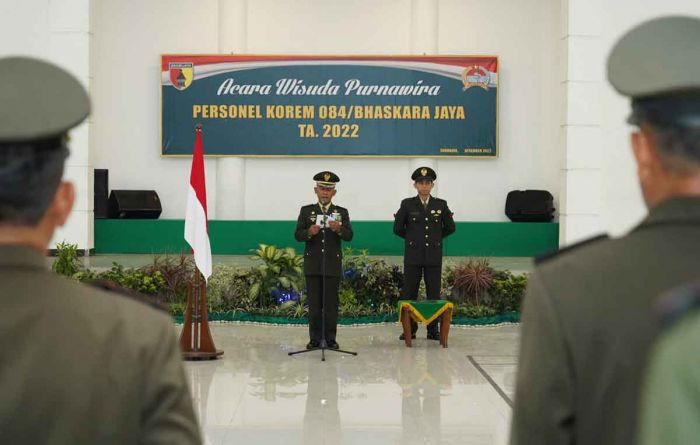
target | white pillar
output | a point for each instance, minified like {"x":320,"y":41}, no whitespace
{"x":69,"y":47}
{"x":582,"y":77}
{"x":424,"y":40}
{"x":424,"y":27}
{"x":230,"y":171}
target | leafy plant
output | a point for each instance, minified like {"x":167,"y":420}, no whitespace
{"x":228,"y":289}
{"x":372,"y":281}
{"x":275,"y":287}
{"x":346,"y":297}
{"x":67,"y":262}
{"x":282,"y":269}
{"x":177,"y":308}
{"x":474,"y":310}
{"x":507,"y":291}
{"x":176,"y":272}
{"x":137,"y":279}
{"x":294,"y":308}
{"x":472,"y":279}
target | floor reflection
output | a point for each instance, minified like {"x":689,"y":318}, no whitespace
{"x":387,"y":394}
{"x":321,"y":415}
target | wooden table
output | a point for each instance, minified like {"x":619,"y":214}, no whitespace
{"x":425,"y":312}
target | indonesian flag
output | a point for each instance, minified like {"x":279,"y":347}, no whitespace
{"x":196,"y":233}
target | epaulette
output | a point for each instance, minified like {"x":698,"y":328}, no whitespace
{"x":554,"y":253}
{"x":673,"y":305}
{"x":111,"y":286}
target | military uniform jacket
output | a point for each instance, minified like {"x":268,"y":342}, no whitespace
{"x":588,"y":324}
{"x":423,"y":230}
{"x":85,"y":366}
{"x":317,"y":245}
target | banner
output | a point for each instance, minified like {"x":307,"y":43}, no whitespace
{"x":331,"y":105}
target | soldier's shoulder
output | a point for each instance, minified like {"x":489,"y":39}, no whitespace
{"x":408,"y":200}
{"x":107,"y":319}
{"x":110,"y":302}
{"x":341,"y":208}
{"x":307,"y":207}
{"x":440,"y":201}
{"x":592,"y":243}
{"x":123,"y":292}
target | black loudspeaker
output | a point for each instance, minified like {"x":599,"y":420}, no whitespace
{"x":101,"y":190}
{"x":530,"y":206}
{"x":134,"y":204}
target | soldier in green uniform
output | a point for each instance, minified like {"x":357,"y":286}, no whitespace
{"x":670,"y":412}
{"x":587,"y":322}
{"x":423,"y":221}
{"x":80,"y":365}
{"x":322,"y":226}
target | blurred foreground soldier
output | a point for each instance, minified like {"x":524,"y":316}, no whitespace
{"x":423,"y":221}
{"x":80,"y":365}
{"x":587,"y":318}
{"x":322,"y":226}
{"x":671,"y":398}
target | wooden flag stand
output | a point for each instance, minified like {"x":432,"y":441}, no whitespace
{"x":195,"y":339}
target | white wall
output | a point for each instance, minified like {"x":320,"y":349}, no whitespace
{"x":59,"y":30}
{"x":535,"y":100}
{"x":622,"y":204}
{"x":129,"y":36}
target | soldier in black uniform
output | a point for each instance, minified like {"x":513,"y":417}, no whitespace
{"x":423,"y":221}
{"x":322,"y":226}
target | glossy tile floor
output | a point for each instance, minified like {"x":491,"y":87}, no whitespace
{"x":388,"y":394}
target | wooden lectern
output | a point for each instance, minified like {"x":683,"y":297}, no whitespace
{"x":195,"y":339}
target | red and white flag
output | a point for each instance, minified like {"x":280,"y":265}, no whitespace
{"x":196,"y":232}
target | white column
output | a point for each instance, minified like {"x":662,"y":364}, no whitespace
{"x":424,"y":40}
{"x":69,"y":47}
{"x":230,"y":172}
{"x":582,"y":77}
{"x":424,"y":24}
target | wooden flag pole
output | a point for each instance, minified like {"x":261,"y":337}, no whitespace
{"x":195,"y":339}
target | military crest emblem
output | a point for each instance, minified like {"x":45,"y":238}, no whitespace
{"x":475,"y":76}
{"x":181,"y":74}
{"x":423,"y":171}
{"x":326,"y":176}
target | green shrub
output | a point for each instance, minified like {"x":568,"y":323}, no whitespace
{"x":67,"y":262}
{"x":474,"y":310}
{"x":507,"y":291}
{"x":137,"y":279}
{"x":372,"y":281}
{"x":228,"y":289}
{"x":370,"y":286}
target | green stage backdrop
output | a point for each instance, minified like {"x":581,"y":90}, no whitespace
{"x":242,"y":237}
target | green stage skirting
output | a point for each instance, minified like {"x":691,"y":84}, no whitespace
{"x":165,"y":236}
{"x":508,"y":317}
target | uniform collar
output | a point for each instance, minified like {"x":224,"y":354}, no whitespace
{"x":420,"y":201}
{"x":330,"y":206}
{"x":684,"y":210}
{"x":21,"y":256}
